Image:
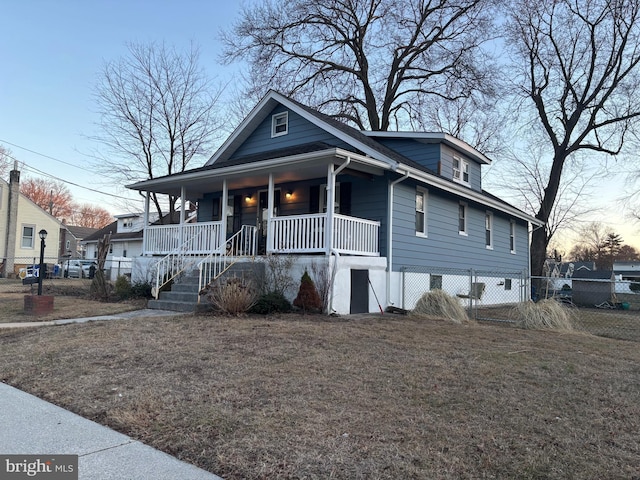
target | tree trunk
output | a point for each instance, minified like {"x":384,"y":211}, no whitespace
{"x":538,"y":251}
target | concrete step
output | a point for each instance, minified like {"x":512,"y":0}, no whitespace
{"x":174,"y":296}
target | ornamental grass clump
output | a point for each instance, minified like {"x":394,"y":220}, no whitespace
{"x":233,"y":295}
{"x":438,"y":303}
{"x":543,"y":315}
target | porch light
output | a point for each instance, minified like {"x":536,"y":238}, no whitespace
{"x":289,"y":194}
{"x":248,"y":198}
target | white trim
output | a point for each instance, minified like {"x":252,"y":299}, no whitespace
{"x":465,"y":231}
{"x":425,"y":204}
{"x":488,"y":215}
{"x":512,"y":236}
{"x":275,"y":125}
{"x":461,"y":171}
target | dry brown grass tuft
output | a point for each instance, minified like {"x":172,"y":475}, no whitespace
{"x":438,"y":303}
{"x":543,"y":315}
{"x":232,"y":295}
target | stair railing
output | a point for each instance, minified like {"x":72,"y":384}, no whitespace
{"x":241,"y":244}
{"x":176,"y":262}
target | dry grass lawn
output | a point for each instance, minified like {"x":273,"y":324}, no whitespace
{"x":71,"y":300}
{"x":368,"y":397}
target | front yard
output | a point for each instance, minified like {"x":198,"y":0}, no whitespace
{"x":370,"y":397}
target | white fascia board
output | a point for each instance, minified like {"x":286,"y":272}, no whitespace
{"x":275,"y":96}
{"x":257,"y":166}
{"x":467,"y":193}
{"x":440,"y":137}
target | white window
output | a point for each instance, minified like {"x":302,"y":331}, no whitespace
{"x":460,"y":170}
{"x":488,"y":230}
{"x":28,"y":236}
{"x":512,"y":236}
{"x":421,"y":212}
{"x":462,"y":219}
{"x":280,"y":124}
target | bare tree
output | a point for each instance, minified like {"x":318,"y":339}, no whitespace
{"x":50,"y":195}
{"x":373,"y":63}
{"x":157,"y":115}
{"x":577,"y":65}
{"x":6,"y":161}
{"x":90,"y":216}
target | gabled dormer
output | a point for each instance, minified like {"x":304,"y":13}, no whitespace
{"x":442,"y":154}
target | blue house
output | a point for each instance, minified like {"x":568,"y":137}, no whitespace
{"x":371,"y":205}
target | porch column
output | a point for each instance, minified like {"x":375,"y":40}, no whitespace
{"x":183,"y":193}
{"x":331,"y":201}
{"x":146,"y":223}
{"x":270,"y":205}
{"x":223,"y":214}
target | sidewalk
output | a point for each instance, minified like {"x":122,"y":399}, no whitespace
{"x":146,"y":313}
{"x":31,"y":426}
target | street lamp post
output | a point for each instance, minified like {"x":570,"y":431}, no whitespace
{"x":43,"y":235}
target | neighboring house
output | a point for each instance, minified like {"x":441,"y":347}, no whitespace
{"x":373,"y":204}
{"x":21,"y":220}
{"x":70,"y":238}
{"x":627,"y":270}
{"x":125,"y":242}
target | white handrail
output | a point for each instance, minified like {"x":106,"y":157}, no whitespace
{"x":241,"y":244}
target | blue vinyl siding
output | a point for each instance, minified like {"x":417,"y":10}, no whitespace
{"x":444,"y":246}
{"x":426,"y":154}
{"x":301,"y":132}
{"x":446,"y":168}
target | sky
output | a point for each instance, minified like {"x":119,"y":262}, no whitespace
{"x":51,"y":55}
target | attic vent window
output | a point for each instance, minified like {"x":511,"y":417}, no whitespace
{"x":280,"y":124}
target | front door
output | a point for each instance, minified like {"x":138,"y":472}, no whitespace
{"x":263,"y":216}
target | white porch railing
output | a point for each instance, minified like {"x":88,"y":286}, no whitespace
{"x":242,"y":244}
{"x":306,"y":234}
{"x":164,"y":239}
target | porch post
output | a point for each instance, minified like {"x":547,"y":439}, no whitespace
{"x":331,"y":188}
{"x":270,"y":205}
{"x":183,"y":193}
{"x":146,"y":223}
{"x":223,"y":214}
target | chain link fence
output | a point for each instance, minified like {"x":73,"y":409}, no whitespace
{"x":603,"y":307}
{"x":56,"y":267}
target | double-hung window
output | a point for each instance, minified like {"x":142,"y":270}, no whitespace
{"x":460,"y":170}
{"x":512,"y":236}
{"x":421,"y":212}
{"x":280,"y":124}
{"x":28,"y":236}
{"x":488,"y":230}
{"x":462,"y":218}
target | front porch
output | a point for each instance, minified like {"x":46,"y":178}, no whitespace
{"x":294,"y":234}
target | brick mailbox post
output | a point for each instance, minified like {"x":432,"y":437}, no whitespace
{"x":39,"y":304}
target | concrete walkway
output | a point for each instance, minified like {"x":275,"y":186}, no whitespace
{"x":145,"y":313}
{"x":31,"y":426}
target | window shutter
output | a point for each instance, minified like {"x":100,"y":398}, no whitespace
{"x":314,"y":199}
{"x":345,"y":198}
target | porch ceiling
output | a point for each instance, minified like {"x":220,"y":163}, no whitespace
{"x":286,"y":169}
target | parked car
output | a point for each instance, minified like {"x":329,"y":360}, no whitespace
{"x":80,"y":268}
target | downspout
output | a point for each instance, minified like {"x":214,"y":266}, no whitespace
{"x":390,"y":234}
{"x":146,"y":223}
{"x":334,"y":270}
{"x":331,"y":201}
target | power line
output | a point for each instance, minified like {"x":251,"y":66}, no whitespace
{"x":43,"y":155}
{"x":40,"y":172}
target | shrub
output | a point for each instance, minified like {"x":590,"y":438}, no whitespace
{"x":635,"y":286}
{"x":272,"y":302}
{"x":438,"y":303}
{"x":122,"y":287}
{"x":308,"y":298}
{"x":543,"y":315}
{"x":232,"y":295}
{"x":141,"y":290}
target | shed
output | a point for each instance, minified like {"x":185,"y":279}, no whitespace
{"x":590,"y":288}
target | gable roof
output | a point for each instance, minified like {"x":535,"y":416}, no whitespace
{"x":80,"y":232}
{"x":363,"y":148}
{"x":112,"y":229}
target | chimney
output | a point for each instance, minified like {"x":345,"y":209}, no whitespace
{"x":12,"y":221}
